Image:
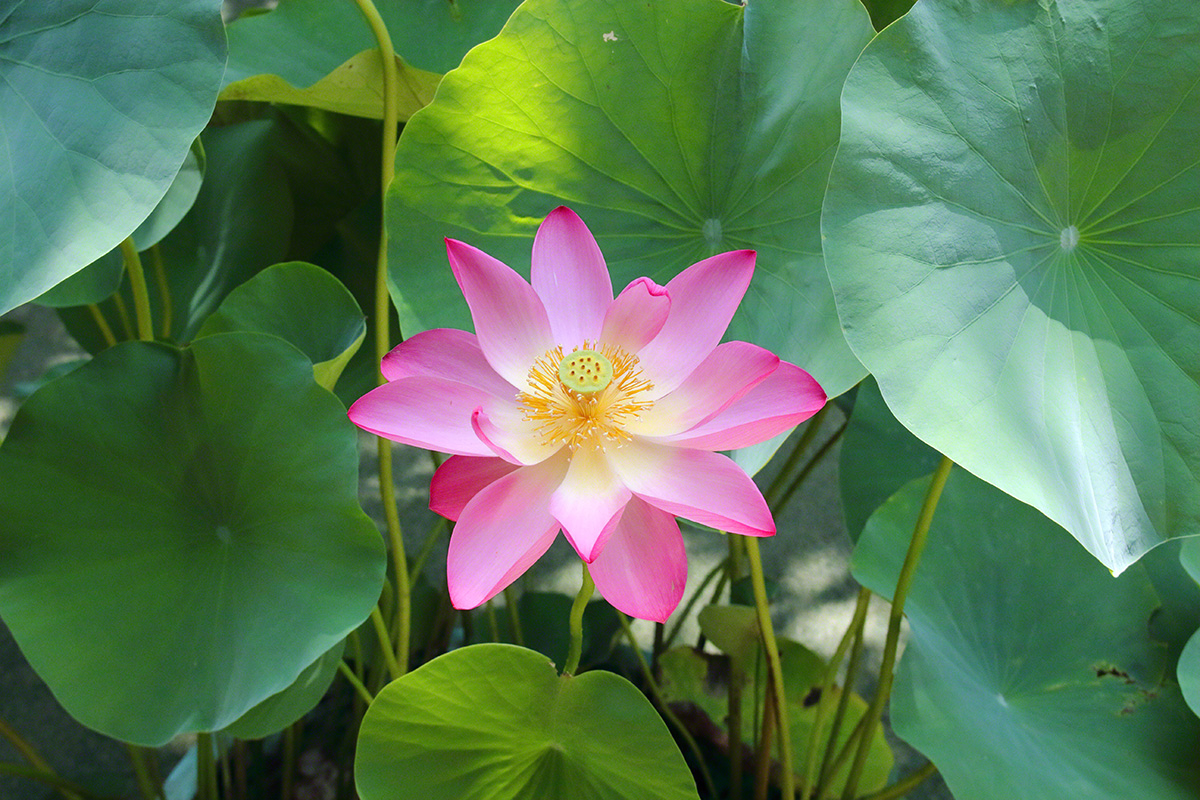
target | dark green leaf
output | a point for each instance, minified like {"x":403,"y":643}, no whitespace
{"x":189,"y":519}
{"x":282,"y":709}
{"x":878,"y":456}
{"x":301,"y":304}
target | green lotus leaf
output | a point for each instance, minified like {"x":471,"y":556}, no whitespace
{"x":93,"y":130}
{"x":282,"y":709}
{"x":354,"y":88}
{"x":878,"y":457}
{"x":1181,"y":609}
{"x":1012,"y":234}
{"x":303,"y":41}
{"x":494,"y":721}
{"x":189,"y":519}
{"x":676,"y":131}
{"x":1029,"y":673}
{"x":98,"y":280}
{"x":301,"y":304}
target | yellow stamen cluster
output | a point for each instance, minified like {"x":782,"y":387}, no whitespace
{"x":566,"y":416}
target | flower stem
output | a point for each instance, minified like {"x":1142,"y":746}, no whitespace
{"x":123,"y":315}
{"x":673,"y":720}
{"x":904,"y":785}
{"x":762,"y":762}
{"x":353,"y":680}
{"x":734,"y":727}
{"x":206,"y":768}
{"x":387,"y":489}
{"x":381,"y":631}
{"x":102,"y":324}
{"x":431,"y":539}
{"x":137,"y":758}
{"x":687,"y":607}
{"x":854,"y":638}
{"x":164,"y":290}
{"x":576,"y":622}
{"x":64,"y":787}
{"x":45,"y":773}
{"x":514,"y":616}
{"x":137,"y":283}
{"x":787,"y":779}
{"x":808,"y":468}
{"x":903,"y":584}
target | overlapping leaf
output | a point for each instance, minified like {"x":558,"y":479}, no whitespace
{"x":301,"y":304}
{"x":323,"y":54}
{"x":1029,"y":674}
{"x":93,"y":130}
{"x":1012,"y":235}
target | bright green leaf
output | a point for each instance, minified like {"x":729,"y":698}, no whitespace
{"x":1029,"y":673}
{"x":92,"y":129}
{"x":676,"y":130}
{"x":189,"y":519}
{"x":1012,"y":233}
{"x":494,"y":722}
{"x":301,"y":304}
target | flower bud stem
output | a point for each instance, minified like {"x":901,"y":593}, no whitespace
{"x":576,"y":622}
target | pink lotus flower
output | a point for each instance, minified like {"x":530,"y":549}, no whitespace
{"x":570,"y":410}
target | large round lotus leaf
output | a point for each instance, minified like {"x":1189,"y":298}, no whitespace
{"x":495,"y":722}
{"x":301,"y":304}
{"x":93,"y":130}
{"x":878,"y":456}
{"x":676,"y":130}
{"x":189,"y":520}
{"x":92,"y":284}
{"x":1029,"y":673}
{"x":303,"y":41}
{"x":1012,"y":233}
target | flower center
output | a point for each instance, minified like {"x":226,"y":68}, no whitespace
{"x":586,"y":397}
{"x":586,"y":372}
